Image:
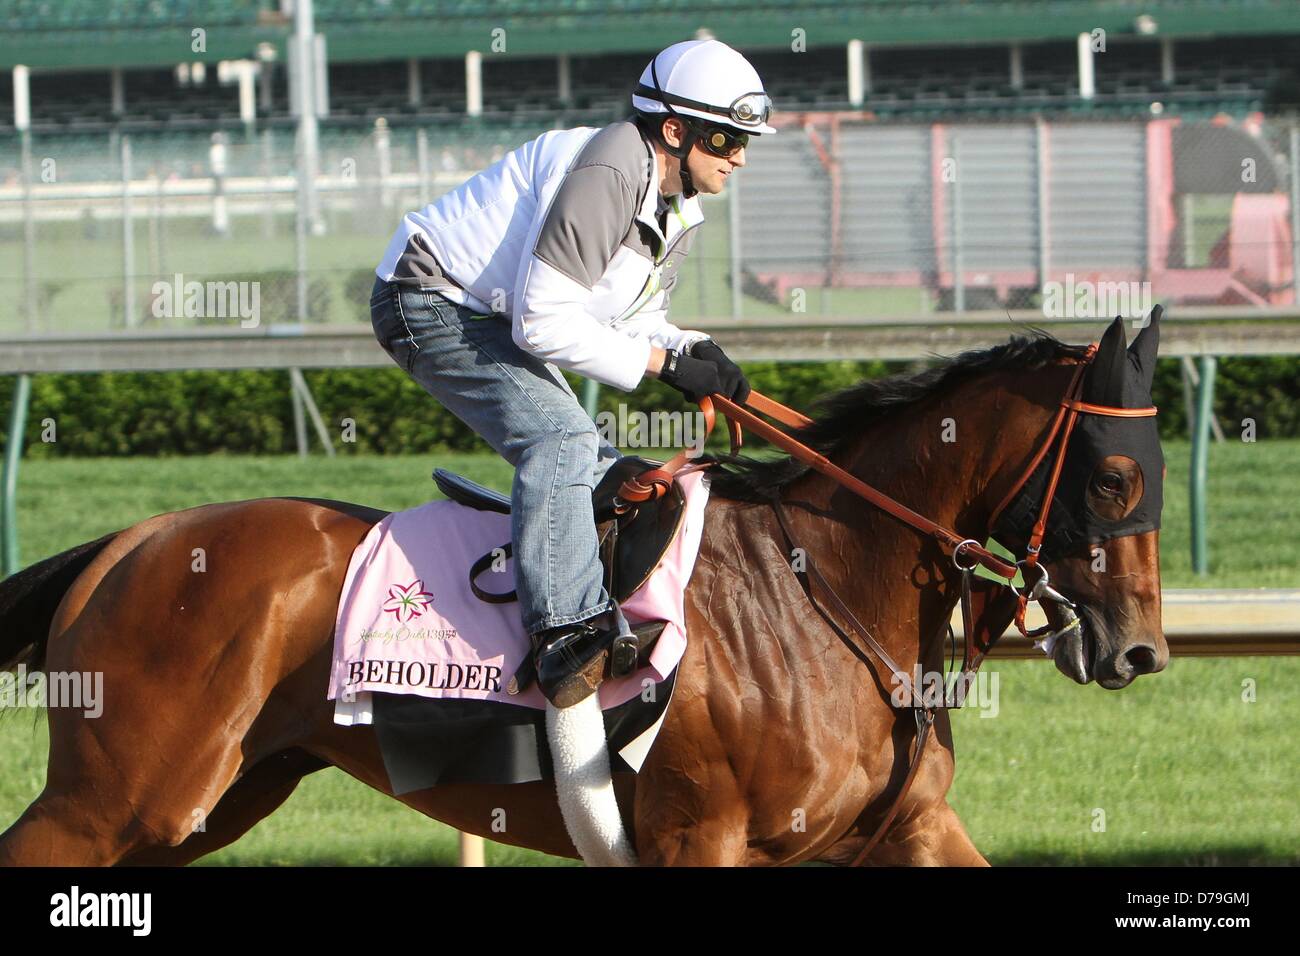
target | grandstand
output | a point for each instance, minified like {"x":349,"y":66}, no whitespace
{"x":113,"y":63}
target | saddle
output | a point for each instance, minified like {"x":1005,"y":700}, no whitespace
{"x":633,"y":536}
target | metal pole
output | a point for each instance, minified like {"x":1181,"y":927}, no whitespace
{"x":958,"y":265}
{"x":1189,"y":379}
{"x":733,"y":227}
{"x":299,"y":418}
{"x":1087,"y":84}
{"x":321,"y":75}
{"x":13,"y":453}
{"x":307,"y":402}
{"x":1295,"y":212}
{"x":300,"y":247}
{"x":217,"y":165}
{"x":591,"y":398}
{"x":1016,"y":67}
{"x":473,"y":83}
{"x":247,"y":95}
{"x":268,"y":211}
{"x":128,"y":240}
{"x":564,"y":79}
{"x":1044,"y":197}
{"x":413,"y":91}
{"x":117,"y":91}
{"x":857,"y":73}
{"x":306,"y":102}
{"x":1200,"y":463}
{"x":29,"y":235}
{"x":155,"y":225}
{"x":23,"y":122}
{"x":383,"y":161}
{"x":422,"y":163}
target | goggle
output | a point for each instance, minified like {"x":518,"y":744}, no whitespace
{"x":719,"y":141}
{"x":748,"y":109}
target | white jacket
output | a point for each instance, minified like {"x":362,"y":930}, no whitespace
{"x":561,"y":236}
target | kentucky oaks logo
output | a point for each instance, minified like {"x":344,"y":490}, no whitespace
{"x":408,"y":602}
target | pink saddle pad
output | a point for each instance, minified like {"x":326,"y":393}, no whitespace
{"x":409,"y":624}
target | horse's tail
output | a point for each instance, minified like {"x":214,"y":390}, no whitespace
{"x":29,"y":599}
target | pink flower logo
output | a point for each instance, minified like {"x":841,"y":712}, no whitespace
{"x":408,"y":602}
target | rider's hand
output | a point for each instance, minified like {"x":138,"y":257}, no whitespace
{"x":734,"y":384}
{"x":694,"y":378}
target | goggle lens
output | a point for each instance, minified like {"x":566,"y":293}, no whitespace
{"x":721,"y":143}
{"x":752,"y":109}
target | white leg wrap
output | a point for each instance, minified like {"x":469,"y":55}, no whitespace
{"x":584,"y":786}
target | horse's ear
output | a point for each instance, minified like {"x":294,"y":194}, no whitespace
{"x":1142,"y":353}
{"x":1104,"y":384}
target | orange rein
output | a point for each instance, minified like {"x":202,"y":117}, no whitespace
{"x":656,"y":482}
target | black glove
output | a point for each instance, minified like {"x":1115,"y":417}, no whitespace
{"x":734,"y":384}
{"x":694,"y":378}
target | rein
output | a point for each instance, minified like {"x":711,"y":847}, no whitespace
{"x":966,"y":553}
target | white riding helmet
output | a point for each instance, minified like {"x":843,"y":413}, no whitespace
{"x":707,"y":80}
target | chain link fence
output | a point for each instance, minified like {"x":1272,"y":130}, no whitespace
{"x":844,"y":215}
{"x":837,"y":215}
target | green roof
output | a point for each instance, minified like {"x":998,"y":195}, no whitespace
{"x":85,"y":34}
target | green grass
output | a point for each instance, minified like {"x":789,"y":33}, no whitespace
{"x":1254,"y":494}
{"x":1185,"y":771}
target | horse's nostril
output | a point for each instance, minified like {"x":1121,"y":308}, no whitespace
{"x":1141,"y":658}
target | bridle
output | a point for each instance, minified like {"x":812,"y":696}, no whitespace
{"x":966,"y":553}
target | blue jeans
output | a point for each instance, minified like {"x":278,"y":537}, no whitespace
{"x":526,"y":411}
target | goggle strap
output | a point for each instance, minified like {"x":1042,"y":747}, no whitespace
{"x":671,"y":99}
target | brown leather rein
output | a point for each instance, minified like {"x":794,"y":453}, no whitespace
{"x":966,"y":553}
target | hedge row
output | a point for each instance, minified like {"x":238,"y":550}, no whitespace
{"x":186,"y":413}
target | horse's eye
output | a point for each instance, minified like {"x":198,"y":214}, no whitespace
{"x":1110,"y":483}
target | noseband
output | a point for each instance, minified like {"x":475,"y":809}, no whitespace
{"x":966,"y":553}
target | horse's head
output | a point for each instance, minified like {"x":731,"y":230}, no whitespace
{"x":1101,"y":541}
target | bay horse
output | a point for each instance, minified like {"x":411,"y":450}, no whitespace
{"x":214,"y":680}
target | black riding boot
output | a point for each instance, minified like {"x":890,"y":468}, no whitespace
{"x":571,"y":659}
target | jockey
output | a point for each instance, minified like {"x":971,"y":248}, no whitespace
{"x":562,"y":255}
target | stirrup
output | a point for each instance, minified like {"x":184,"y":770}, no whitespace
{"x":636,"y":650}
{"x":571,"y":660}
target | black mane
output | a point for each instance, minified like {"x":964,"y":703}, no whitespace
{"x":840,"y":416}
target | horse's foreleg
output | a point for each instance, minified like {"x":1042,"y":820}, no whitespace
{"x":934,"y":837}
{"x":681,"y":822}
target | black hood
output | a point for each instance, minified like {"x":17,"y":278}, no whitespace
{"x":1120,"y":377}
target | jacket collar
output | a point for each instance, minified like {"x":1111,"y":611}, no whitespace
{"x":683,"y":213}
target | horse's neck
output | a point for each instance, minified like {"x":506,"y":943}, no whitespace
{"x":946,"y":458}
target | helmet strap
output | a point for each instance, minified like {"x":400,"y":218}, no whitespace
{"x":688,"y":142}
{"x":688,"y":185}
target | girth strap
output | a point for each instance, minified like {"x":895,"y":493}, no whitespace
{"x":924,"y":715}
